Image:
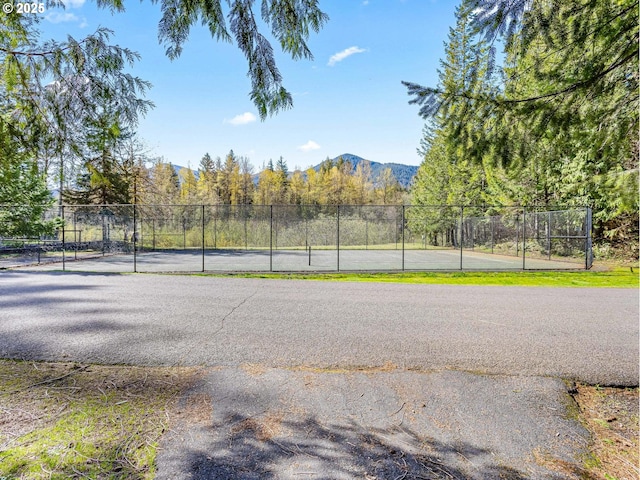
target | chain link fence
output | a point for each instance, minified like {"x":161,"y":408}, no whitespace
{"x":197,"y":238}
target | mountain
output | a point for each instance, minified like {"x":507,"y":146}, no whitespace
{"x":403,"y":173}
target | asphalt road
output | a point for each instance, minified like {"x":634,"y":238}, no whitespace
{"x":262,"y":411}
{"x":585,"y":334}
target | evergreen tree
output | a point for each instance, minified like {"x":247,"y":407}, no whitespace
{"x":206,"y":163}
{"x":207,"y":179}
{"x":563,"y":128}
{"x":282,"y":181}
{"x":188,"y":186}
{"x":24,"y":196}
{"x":247,"y":186}
{"x":446,"y":176}
{"x":104,"y":179}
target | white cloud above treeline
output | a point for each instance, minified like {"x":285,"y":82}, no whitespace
{"x":347,"y":52}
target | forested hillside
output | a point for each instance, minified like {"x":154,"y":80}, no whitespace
{"x":404,"y":174}
{"x":232,"y":181}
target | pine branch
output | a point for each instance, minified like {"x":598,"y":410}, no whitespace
{"x":576,"y":86}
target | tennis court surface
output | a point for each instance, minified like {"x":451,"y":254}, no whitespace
{"x":295,"y":261}
{"x":303,"y":238}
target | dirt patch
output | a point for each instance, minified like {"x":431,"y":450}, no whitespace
{"x":194,"y":408}
{"x":263,"y":428}
{"x":611,"y":415}
{"x":366,"y":369}
{"x":253,"y":369}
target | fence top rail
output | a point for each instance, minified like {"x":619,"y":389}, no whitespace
{"x":552,"y":208}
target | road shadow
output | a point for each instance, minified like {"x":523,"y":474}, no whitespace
{"x":254,"y":448}
{"x":289,"y":425}
{"x":79,"y":318}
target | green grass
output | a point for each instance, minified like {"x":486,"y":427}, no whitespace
{"x":618,"y":278}
{"x":60,"y":421}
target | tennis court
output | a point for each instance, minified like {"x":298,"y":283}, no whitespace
{"x":320,"y":260}
{"x":253,"y":238}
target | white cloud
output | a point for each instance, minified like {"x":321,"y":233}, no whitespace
{"x":309,"y":146}
{"x":73,"y":3}
{"x":61,"y":17}
{"x":243,"y":119}
{"x":338,"y":57}
{"x":365,"y":2}
{"x":65,"y":16}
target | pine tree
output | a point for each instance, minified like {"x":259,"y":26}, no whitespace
{"x":227,"y":181}
{"x":446,"y":176}
{"x":207,"y":179}
{"x":104,"y":180}
{"x":247,"y":186}
{"x":23,"y":191}
{"x":188,"y":186}
{"x":282,"y":181}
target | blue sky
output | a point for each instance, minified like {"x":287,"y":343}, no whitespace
{"x":349,"y":99}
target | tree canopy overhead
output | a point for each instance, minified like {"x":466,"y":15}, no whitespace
{"x":65,"y":105}
{"x":290,"y":22}
{"x":578,"y":52}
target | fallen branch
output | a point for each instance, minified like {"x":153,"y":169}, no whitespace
{"x":45,"y":382}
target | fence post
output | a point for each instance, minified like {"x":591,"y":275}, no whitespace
{"x":366,"y":234}
{"x":548,"y":235}
{"x":492,"y":222}
{"x":524,"y":237}
{"x":461,"y":239}
{"x":104,"y":228}
{"x":63,"y":259}
{"x":271,"y":238}
{"x":215,"y":228}
{"x":135,"y":240}
{"x":338,"y":236}
{"x":517,"y":236}
{"x":75,"y":237}
{"x":403,"y":238}
{"x":588,"y":257}
{"x":203,"y":237}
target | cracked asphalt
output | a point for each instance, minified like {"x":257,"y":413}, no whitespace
{"x":343,"y":380}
